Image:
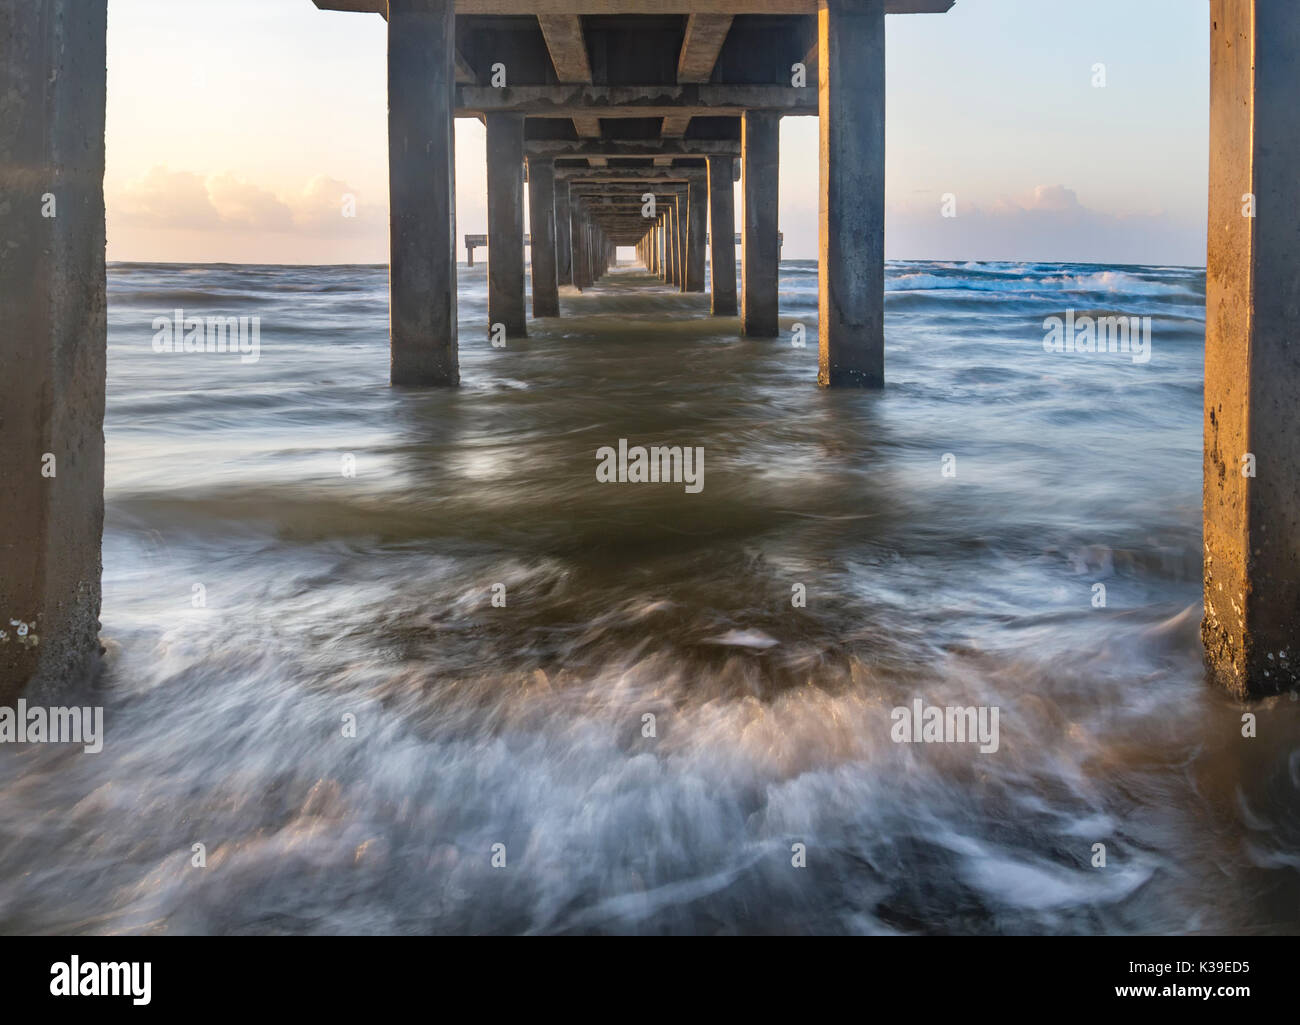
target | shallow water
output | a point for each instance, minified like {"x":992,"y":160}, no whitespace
{"x":327,"y":595}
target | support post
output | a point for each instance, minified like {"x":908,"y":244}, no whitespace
{"x":1252,"y":370}
{"x":581,"y":267}
{"x":563,"y":235}
{"x":680,"y":215}
{"x":722,"y":232}
{"x":505,"y":196}
{"x":53,"y":343}
{"x":674,"y":250}
{"x":760,"y":148}
{"x":697,"y":228}
{"x":851,"y":267}
{"x":422,"y":192}
{"x":541,"y":231}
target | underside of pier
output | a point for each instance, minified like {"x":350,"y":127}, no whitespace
{"x":630,"y":124}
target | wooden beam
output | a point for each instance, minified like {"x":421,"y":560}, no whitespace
{"x":667,"y":148}
{"x":675,"y":127}
{"x":638,"y":101}
{"x":607,"y":7}
{"x":587,"y":127}
{"x":625,"y":189}
{"x":626,"y":174}
{"x":568,"y":47}
{"x":705,"y":34}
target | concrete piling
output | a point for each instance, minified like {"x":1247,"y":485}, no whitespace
{"x":541,"y":231}
{"x":581,"y":267}
{"x":505,"y":199}
{"x":851,"y":264}
{"x":760,"y":147}
{"x":563,"y":235}
{"x":697,"y":205}
{"x":722,"y":230}
{"x":422,"y":193}
{"x":1252,"y":373}
{"x":680,"y":214}
{"x":53,"y":341}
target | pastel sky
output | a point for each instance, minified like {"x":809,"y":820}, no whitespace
{"x":235,"y":127}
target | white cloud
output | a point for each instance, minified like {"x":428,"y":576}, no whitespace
{"x":183,"y":200}
{"x":1050,"y":223}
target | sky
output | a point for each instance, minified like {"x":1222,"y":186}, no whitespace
{"x":1055,"y":130}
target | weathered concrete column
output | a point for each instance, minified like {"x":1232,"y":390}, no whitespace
{"x":541,"y":230}
{"x":422,"y":192}
{"x":1251,"y":629}
{"x":679,"y":239}
{"x":683,"y":236}
{"x":673,"y":249}
{"x":52,"y":344}
{"x":722,"y":235}
{"x":563,"y":235}
{"x":697,"y":228}
{"x":851,"y":264}
{"x":760,"y":151}
{"x":505,"y":199}
{"x":581,"y":268}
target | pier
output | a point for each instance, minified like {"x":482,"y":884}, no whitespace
{"x":630,"y":122}
{"x":644,"y":253}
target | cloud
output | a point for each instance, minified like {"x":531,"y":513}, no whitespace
{"x":1050,"y":223}
{"x":1054,"y":198}
{"x":247,"y":206}
{"x":162,"y":198}
{"x":183,"y":200}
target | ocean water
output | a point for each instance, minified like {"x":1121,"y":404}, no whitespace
{"x":257,"y":597}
